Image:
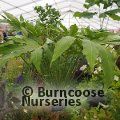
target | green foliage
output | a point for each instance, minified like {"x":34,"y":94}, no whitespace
{"x":36,"y":58}
{"x":108,"y":65}
{"x":48,"y":15}
{"x":31,"y":43}
{"x":16,"y":49}
{"x":112,"y":14}
{"x":106,"y":3}
{"x":91,"y":51}
{"x":103,"y":5}
{"x":73,"y":30}
{"x":84,"y":14}
{"x":12,"y":20}
{"x":61,"y":46}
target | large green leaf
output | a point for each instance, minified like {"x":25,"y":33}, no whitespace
{"x":26,"y":28}
{"x":114,"y":11}
{"x":24,"y":31}
{"x":84,"y":14}
{"x":30,"y":28}
{"x":91,"y":51}
{"x":13,"y":52}
{"x":112,"y":38}
{"x":108,"y":64}
{"x":4,"y":59}
{"x":112,"y":14}
{"x":61,"y":46}
{"x":10,"y":16}
{"x":12,"y":20}
{"x":36,"y":58}
{"x":8,"y":50}
{"x":114,"y":17}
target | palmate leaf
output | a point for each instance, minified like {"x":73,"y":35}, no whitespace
{"x":36,"y":58}
{"x":14,"y":53}
{"x":61,"y":46}
{"x":91,"y":51}
{"x":14,"y":50}
{"x":11,"y":54}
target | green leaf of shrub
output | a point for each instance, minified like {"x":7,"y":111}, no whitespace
{"x":114,"y":17}
{"x":63,"y":27}
{"x":12,"y":20}
{"x":9,"y":51}
{"x":91,"y":51}
{"x":84,"y":14}
{"x":21,"y":18}
{"x":112,"y":14}
{"x":113,"y":11}
{"x":24,"y":31}
{"x":73,"y":30}
{"x":61,"y":46}
{"x":36,"y":58}
{"x":107,"y":65}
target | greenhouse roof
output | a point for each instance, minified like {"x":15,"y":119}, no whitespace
{"x":66,"y":8}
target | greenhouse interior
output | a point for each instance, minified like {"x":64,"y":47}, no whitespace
{"x":60,"y":60}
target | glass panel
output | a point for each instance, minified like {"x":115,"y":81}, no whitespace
{"x":18,"y":2}
{"x":4,"y":6}
{"x":29,"y":7}
{"x":16,"y":12}
{"x":66,"y":7}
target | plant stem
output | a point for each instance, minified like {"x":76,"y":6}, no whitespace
{"x":25,"y":61}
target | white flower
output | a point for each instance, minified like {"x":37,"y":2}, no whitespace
{"x":20,"y":66}
{"x":104,"y":106}
{"x":99,"y":59}
{"x":106,"y":45}
{"x":112,"y":50}
{"x":95,"y":72}
{"x":1,"y":41}
{"x":85,"y":117}
{"x":99,"y":69}
{"x":12,"y":52}
{"x":116,"y":78}
{"x":24,"y":110}
{"x":83,"y":67}
{"x":111,"y":46}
